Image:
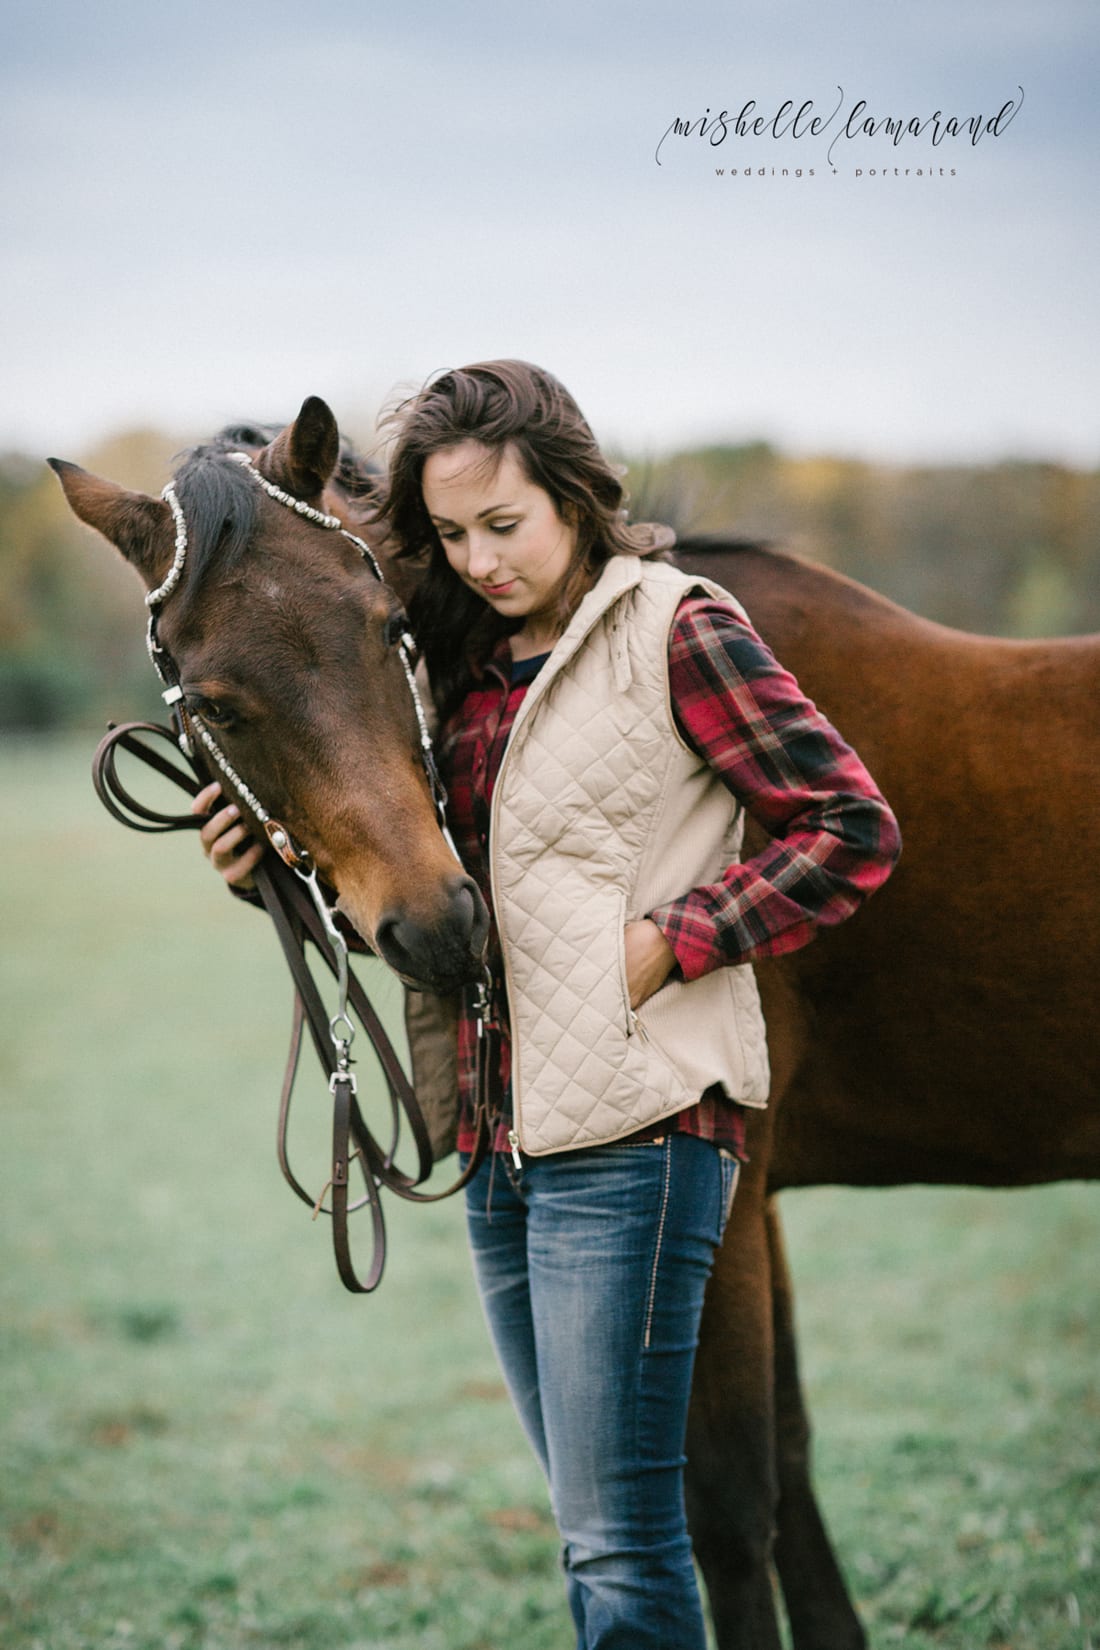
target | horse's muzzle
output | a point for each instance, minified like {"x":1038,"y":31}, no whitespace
{"x":442,"y":955}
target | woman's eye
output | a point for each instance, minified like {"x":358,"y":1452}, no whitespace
{"x":452,"y":535}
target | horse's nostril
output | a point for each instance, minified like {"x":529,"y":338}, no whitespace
{"x":471,"y":917}
{"x":443,"y":951}
{"x":479,"y":924}
{"x":402,"y":944}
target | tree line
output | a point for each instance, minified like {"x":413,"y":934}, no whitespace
{"x":1009,"y":548}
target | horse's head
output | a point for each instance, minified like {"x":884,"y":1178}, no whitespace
{"x":287,"y":649}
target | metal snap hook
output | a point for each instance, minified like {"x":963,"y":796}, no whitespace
{"x":342,"y":1032}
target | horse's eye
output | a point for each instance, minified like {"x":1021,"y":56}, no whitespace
{"x":395,"y":627}
{"x":211,"y":711}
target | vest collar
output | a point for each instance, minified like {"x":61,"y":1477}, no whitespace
{"x":618,"y":575}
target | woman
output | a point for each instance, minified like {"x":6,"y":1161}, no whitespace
{"x":605,"y":723}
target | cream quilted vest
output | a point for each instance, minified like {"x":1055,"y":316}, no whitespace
{"x":600,"y":813}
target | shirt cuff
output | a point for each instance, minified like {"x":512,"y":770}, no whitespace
{"x":690,"y":930}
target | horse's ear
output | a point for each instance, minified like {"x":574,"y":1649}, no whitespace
{"x":139,"y":526}
{"x":302,"y":457}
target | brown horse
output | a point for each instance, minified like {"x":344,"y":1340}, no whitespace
{"x":286,"y":644}
{"x":920,"y":1042}
{"x":948,"y":1034}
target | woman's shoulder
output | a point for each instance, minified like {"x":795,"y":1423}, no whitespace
{"x":690,"y":593}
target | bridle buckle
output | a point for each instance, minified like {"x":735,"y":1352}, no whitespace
{"x":290,"y":852}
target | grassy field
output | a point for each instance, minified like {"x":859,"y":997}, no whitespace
{"x":206,"y":1443}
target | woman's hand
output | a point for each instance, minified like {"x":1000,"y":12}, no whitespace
{"x":229,"y":846}
{"x":649,"y":960}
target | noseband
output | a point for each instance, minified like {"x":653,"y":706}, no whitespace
{"x":291,"y":892}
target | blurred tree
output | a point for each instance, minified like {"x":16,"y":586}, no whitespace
{"x":71,"y":611}
{"x":1011,"y":548}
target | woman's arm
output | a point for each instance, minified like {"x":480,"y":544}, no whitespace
{"x":834,"y":839}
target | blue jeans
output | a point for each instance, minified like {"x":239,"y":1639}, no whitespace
{"x":591,"y":1267}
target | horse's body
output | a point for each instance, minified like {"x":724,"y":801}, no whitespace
{"x":948,"y":1034}
{"x":944,"y":1035}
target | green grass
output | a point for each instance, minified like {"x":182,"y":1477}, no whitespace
{"x":206,"y":1444}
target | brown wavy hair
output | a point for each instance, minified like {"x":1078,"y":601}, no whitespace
{"x":501,"y":405}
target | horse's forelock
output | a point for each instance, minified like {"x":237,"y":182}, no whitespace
{"x":219,"y":502}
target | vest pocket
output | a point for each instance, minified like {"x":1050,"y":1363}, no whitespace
{"x":630,"y":1019}
{"x":633,"y":1023}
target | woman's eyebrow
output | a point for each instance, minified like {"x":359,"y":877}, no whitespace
{"x":488,"y":511}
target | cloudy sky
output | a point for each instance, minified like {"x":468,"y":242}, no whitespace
{"x":213,"y":211}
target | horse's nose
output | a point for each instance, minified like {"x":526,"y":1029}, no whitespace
{"x":445,"y":953}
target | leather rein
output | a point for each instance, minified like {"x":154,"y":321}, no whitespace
{"x":287,"y":884}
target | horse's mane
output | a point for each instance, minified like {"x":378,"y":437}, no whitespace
{"x":769,"y":579}
{"x":701,"y":548}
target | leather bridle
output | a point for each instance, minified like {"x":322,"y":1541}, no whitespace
{"x":290,"y":890}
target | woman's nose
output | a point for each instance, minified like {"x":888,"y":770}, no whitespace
{"x":483,"y":556}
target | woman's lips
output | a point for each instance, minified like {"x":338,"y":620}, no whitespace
{"x":497,"y":589}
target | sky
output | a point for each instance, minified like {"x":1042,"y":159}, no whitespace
{"x":210,"y":212}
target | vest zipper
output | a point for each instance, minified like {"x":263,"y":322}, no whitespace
{"x":498,"y":913}
{"x":634,"y":1026}
{"x":534,"y":693}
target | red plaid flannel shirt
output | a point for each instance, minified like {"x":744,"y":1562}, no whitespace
{"x":833,"y":837}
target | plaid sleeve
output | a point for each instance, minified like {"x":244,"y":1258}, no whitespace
{"x":833,"y":837}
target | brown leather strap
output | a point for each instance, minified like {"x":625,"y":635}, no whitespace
{"x":296,"y":919}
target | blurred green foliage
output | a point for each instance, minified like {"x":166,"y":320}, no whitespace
{"x":71,"y":613}
{"x":1011,"y":548}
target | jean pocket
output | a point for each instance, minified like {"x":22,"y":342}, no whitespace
{"x":731,"y":1174}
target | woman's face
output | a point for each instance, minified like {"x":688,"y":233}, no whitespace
{"x":500,"y":532}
